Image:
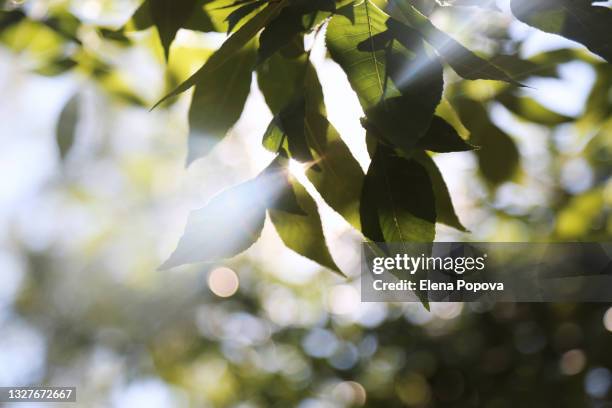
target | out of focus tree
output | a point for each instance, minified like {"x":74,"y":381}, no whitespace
{"x":444,"y":78}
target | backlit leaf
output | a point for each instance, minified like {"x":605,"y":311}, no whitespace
{"x":304,"y":233}
{"x":445,"y":210}
{"x":578,"y":20}
{"x":169,"y":16}
{"x":67,"y":125}
{"x":232,"y":221}
{"x":443,"y":138}
{"x":218,"y":101}
{"x":498,"y":156}
{"x":398,"y":202}
{"x":230,"y":47}
{"x":399,"y":99}
{"x":463,"y":61}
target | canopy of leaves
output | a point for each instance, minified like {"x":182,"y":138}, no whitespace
{"x":419,"y":86}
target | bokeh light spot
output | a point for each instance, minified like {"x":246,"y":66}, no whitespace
{"x":607,"y":320}
{"x":572,"y":362}
{"x":223,"y":282}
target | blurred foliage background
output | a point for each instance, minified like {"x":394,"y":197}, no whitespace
{"x":86,"y":223}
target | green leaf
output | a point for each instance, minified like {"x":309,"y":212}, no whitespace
{"x":443,"y":138}
{"x":232,"y":221}
{"x":10,"y":18}
{"x":530,"y":110}
{"x":463,"y":61}
{"x":338,"y":178}
{"x":57,"y":66}
{"x":445,"y":210}
{"x":169,"y":16}
{"x":292,"y":122}
{"x":578,"y":20}
{"x":279,"y":32}
{"x":521,"y":69}
{"x":230,"y":47}
{"x":498,"y":156}
{"x":399,"y":99}
{"x":304,"y":233}
{"x":198,"y":19}
{"x":280,"y":79}
{"x":277,"y":174}
{"x":237,"y":15}
{"x":218,"y":101}
{"x":229,"y":224}
{"x":398,"y":202}
{"x":67,"y":125}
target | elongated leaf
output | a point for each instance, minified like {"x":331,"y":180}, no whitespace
{"x":280,"y":79}
{"x":229,"y":224}
{"x":235,"y":16}
{"x":443,"y":138}
{"x":291,"y":121}
{"x":498,"y":156}
{"x":232,"y":221}
{"x":10,"y":18}
{"x":284,"y":197}
{"x":531,"y":110}
{"x":57,"y":67}
{"x":304,"y":233}
{"x":66,"y":126}
{"x":169,"y":16}
{"x":218,"y":101}
{"x":463,"y":61}
{"x":365,"y":68}
{"x":230,"y":47}
{"x":280,"y":32}
{"x":578,"y":20}
{"x":445,"y":210}
{"x":339,"y":178}
{"x":198,"y":19}
{"x":399,"y":99}
{"x":398,"y":202}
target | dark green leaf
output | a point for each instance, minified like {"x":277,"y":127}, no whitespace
{"x":498,"y":156}
{"x":10,"y":18}
{"x":304,"y":233}
{"x":291,"y":121}
{"x":443,"y":138}
{"x":280,"y":79}
{"x":237,"y":15}
{"x":578,"y":20}
{"x":230,"y":47}
{"x":339,"y":178}
{"x":169,"y":16}
{"x":67,"y":125}
{"x":57,"y":67}
{"x":445,"y":210}
{"x":463,"y":61}
{"x":277,"y":174}
{"x":279,"y":32}
{"x":398,"y":202}
{"x":398,"y":98}
{"x":528,"y":109}
{"x":218,"y":101}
